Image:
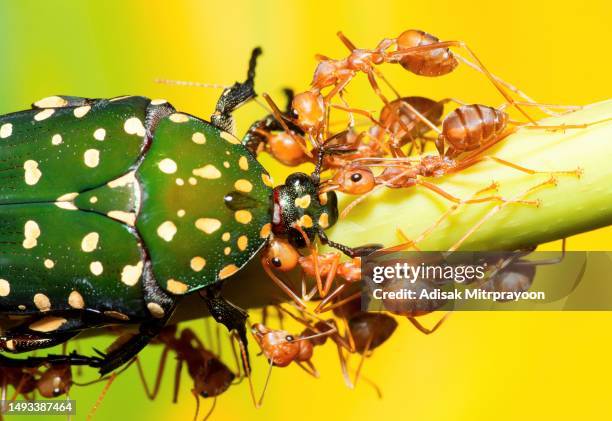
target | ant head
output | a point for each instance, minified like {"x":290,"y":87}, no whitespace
{"x":212,"y":378}
{"x":299,"y":203}
{"x":279,"y":346}
{"x":285,"y":148}
{"x":354,"y":179}
{"x":309,"y":109}
{"x":281,"y":255}
{"x":56,"y":381}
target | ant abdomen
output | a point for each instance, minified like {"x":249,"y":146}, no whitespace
{"x":434,"y":62}
{"x":470,"y":126}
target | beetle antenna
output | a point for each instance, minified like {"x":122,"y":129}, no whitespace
{"x":191,"y":84}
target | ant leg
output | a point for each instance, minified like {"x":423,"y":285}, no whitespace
{"x":197,"y":398}
{"x":158,"y":378}
{"x":177,"y":380}
{"x":472,"y":161}
{"x":234,"y":96}
{"x":528,"y":100}
{"x":309,"y":368}
{"x":281,"y":284}
{"x":459,"y":201}
{"x":428,"y":331}
{"x":211,"y":410}
{"x":101,"y":397}
{"x":559,"y":127}
{"x":362,"y":359}
{"x":551,"y":181}
{"x":483,"y":69}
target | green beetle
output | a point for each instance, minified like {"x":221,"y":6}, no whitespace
{"x":111,"y":210}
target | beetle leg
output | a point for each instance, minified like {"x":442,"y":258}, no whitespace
{"x":17,"y":342}
{"x":134,"y":345}
{"x":33,"y":362}
{"x":234,"y":96}
{"x":231,"y":316}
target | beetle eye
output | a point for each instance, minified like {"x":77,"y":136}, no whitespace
{"x":356,"y":177}
{"x":289,"y":338}
{"x":277,"y":262}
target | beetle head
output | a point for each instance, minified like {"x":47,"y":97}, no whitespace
{"x":298,"y":203}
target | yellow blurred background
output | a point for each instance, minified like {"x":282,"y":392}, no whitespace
{"x":503,"y":366}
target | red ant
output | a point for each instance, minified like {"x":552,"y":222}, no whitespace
{"x":55,"y":381}
{"x":211,"y":377}
{"x":282,"y":348}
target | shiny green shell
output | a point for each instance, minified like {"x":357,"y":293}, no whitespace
{"x":92,"y":206}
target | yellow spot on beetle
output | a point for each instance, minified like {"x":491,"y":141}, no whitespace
{"x":243,"y":242}
{"x":133,"y":125}
{"x":243,"y":185}
{"x":31,"y":232}
{"x":128,"y":218}
{"x":229,"y":138}
{"x":178,"y":118}
{"x":32,"y":173}
{"x":75,"y":300}
{"x":49,"y":264}
{"x":226,"y":236}
{"x":227,"y":250}
{"x":131,"y":274}
{"x":323,"y":199}
{"x":324,"y":220}
{"x":156,"y":310}
{"x":158,"y":101}
{"x":180,"y":182}
{"x":192,"y":181}
{"x":44,"y":114}
{"x":100,"y":134}
{"x":208,"y":171}
{"x":42,"y":302}
{"x":228,"y":271}
{"x":176,"y":287}
{"x":47,"y":324}
{"x":96,"y":268}
{"x":180,"y":213}
{"x":199,"y":138}
{"x":305,"y":221}
{"x":265,"y":231}
{"x":92,"y":158}
{"x":243,"y":216}
{"x":167,"y":230}
{"x":56,"y":139}
{"x":197,"y":263}
{"x":6,"y":130}
{"x":167,"y":166}
{"x":90,"y":242}
{"x":51,"y":102}
{"x":93,"y":199}
{"x":5,"y":288}
{"x":267,"y":180}
{"x":208,"y":225}
{"x":243,"y":163}
{"x":81,"y":111}
{"x":303,"y":201}
{"x":123,"y":181}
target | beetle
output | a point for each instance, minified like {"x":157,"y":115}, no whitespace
{"x":111,"y":210}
